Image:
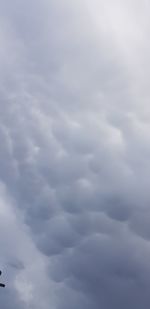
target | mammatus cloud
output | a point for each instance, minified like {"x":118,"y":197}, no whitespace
{"x":74,"y":154}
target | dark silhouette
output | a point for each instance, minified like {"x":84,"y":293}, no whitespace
{"x":1,"y":284}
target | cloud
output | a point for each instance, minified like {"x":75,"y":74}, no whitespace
{"x":74,"y":154}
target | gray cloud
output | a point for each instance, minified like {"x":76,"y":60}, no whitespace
{"x":74,"y":154}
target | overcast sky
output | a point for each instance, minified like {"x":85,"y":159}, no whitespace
{"x":75,"y":154}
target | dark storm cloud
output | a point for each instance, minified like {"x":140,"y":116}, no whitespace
{"x":74,"y":154}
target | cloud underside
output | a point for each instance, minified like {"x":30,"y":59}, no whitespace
{"x":74,"y":154}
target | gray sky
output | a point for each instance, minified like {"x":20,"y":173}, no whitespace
{"x":75,"y":154}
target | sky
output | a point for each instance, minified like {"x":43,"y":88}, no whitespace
{"x":75,"y":154}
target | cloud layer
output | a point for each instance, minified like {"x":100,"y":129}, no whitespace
{"x":74,"y":154}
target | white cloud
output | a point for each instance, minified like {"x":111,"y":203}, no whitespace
{"x":74,"y":154}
